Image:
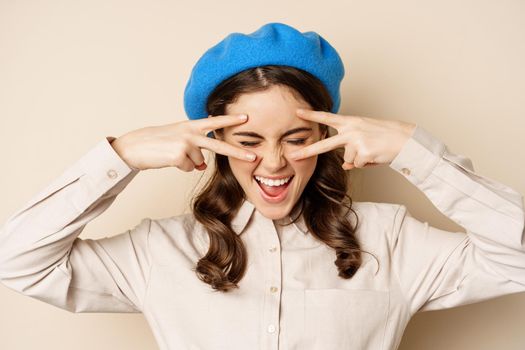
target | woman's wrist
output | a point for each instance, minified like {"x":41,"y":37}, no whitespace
{"x":118,"y":147}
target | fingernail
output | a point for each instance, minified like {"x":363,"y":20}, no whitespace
{"x":300,"y":111}
{"x":293,"y":155}
{"x":250,"y":156}
{"x":243,"y":116}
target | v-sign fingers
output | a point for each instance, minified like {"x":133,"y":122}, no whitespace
{"x":318,"y":147}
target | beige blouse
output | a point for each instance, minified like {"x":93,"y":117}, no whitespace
{"x":291,"y":296}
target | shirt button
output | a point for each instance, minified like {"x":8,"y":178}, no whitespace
{"x":271,"y":328}
{"x":273,"y":289}
{"x":112,"y":174}
{"x":272,"y":249}
{"x":405,"y":171}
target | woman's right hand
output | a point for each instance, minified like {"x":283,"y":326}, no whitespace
{"x":177,"y":144}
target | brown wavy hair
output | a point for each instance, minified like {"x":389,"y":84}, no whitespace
{"x":324,"y":201}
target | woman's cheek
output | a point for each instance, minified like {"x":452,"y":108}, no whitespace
{"x":241,"y":164}
{"x":307,"y":165}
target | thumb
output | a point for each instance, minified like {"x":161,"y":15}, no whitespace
{"x":347,"y":166}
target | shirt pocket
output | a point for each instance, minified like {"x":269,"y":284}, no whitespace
{"x":345,"y":319}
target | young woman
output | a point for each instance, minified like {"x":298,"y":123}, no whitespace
{"x":274,"y":255}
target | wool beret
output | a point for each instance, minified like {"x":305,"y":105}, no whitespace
{"x":272,"y":44}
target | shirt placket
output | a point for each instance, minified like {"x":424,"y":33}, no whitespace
{"x":272,"y":285}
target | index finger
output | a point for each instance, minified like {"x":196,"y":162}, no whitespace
{"x":217,"y":122}
{"x":318,"y":147}
{"x":224,"y":148}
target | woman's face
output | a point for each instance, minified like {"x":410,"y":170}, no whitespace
{"x":272,"y":131}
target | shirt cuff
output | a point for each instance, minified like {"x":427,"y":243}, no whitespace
{"x":419,"y":156}
{"x":104,"y":159}
{"x":103,"y":171}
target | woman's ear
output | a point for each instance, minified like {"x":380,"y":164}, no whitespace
{"x":216,"y":135}
{"x":325,"y":133}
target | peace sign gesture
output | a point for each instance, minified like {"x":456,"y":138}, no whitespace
{"x":366,"y":141}
{"x":178,"y":144}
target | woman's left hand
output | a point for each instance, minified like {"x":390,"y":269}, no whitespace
{"x":366,"y":141}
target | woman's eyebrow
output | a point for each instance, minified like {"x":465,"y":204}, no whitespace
{"x":287,"y":133}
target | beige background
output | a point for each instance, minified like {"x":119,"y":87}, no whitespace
{"x":73,"y":72}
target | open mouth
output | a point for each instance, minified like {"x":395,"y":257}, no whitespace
{"x":274,"y":194}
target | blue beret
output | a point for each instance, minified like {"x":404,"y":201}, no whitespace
{"x":272,"y":44}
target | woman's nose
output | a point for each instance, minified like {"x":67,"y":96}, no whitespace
{"x":274,"y":158}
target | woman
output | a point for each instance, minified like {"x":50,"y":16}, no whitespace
{"x":274,"y":254}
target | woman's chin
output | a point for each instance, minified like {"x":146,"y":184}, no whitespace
{"x":274,"y":211}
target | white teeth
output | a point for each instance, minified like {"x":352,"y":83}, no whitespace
{"x":270,"y":182}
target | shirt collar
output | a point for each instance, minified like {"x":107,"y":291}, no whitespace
{"x":246,"y":211}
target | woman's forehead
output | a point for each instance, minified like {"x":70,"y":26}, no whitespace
{"x":271,"y":111}
{"x":276,"y":100}
{"x":273,"y":126}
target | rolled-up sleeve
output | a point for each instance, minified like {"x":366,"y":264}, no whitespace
{"x":41,"y":255}
{"x":438,"y":269}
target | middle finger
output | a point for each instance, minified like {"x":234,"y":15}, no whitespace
{"x":322,"y":117}
{"x":206,"y":125}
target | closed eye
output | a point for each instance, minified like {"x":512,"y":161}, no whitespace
{"x":293,"y":142}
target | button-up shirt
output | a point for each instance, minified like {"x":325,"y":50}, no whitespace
{"x":291,"y":296}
